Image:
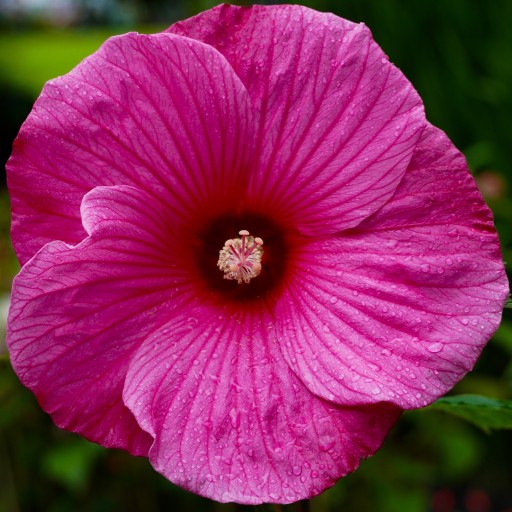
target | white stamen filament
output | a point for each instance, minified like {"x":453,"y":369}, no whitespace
{"x":240,"y":258}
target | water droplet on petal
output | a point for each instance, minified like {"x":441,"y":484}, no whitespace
{"x":435,"y":347}
{"x":235,"y":418}
{"x":374,"y":367}
{"x":326,"y":442}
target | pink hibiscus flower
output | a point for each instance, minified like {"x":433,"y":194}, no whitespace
{"x":244,"y":251}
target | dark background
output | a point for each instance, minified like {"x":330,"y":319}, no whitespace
{"x":458,"y":54}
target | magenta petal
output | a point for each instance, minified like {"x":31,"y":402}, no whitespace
{"x":400,"y":308}
{"x":232,"y":422}
{"x":78,"y":313}
{"x":337,"y":122}
{"x":161,"y":112}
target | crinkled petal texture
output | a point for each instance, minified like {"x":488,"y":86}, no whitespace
{"x":399,"y":308}
{"x":160,"y":112}
{"x":78,"y":313}
{"x":329,"y":105}
{"x":230,"y":419}
{"x":381,"y":276}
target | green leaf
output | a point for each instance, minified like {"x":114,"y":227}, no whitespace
{"x":486,"y":413}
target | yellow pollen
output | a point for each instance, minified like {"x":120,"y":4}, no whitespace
{"x":240,"y":258}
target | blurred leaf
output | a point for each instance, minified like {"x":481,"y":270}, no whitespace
{"x":15,"y":401}
{"x":70,"y":464}
{"x":503,"y":336}
{"x":486,"y":413}
{"x":29,"y":58}
{"x":508,"y":303}
{"x":46,"y":54}
{"x":480,"y":154}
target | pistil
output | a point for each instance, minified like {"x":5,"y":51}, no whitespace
{"x":240,"y":258}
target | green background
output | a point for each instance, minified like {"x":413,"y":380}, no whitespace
{"x":458,"y":54}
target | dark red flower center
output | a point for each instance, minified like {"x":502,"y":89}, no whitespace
{"x":275,"y":263}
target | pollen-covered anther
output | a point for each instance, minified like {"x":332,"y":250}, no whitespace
{"x":240,"y":258}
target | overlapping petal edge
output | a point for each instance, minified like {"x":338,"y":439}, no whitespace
{"x":394,"y":284}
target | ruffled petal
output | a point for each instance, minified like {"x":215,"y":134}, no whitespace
{"x":232,"y":422}
{"x":78,"y":313}
{"x":400,"y":308}
{"x":337,"y":122}
{"x":160,"y":112}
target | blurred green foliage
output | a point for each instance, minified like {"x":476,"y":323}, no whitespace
{"x":458,"y":54}
{"x":29,"y":59}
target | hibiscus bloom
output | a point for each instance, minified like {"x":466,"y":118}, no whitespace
{"x":245,"y":251}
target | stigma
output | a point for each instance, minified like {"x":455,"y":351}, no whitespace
{"x":240,"y":258}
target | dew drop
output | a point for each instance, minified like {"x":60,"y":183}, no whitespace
{"x":326,"y":442}
{"x":235,"y":418}
{"x":435,"y":347}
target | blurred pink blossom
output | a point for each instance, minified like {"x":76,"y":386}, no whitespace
{"x":492,"y":185}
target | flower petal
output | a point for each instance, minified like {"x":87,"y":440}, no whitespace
{"x":337,"y":122}
{"x":78,"y":313}
{"x":400,"y":308}
{"x":160,"y":112}
{"x":232,"y":422}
